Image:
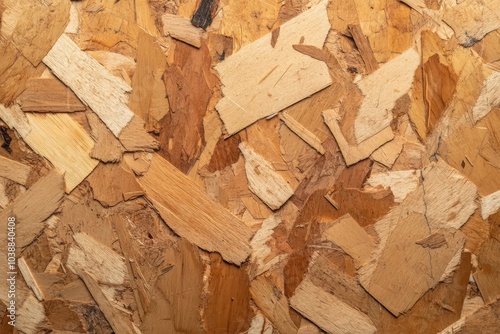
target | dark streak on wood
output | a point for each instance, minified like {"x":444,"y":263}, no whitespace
{"x":274,"y":36}
{"x":203,"y":16}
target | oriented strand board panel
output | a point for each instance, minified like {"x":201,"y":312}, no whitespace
{"x":92,"y":83}
{"x":268,"y":75}
{"x":64,"y":143}
{"x":192,"y":214}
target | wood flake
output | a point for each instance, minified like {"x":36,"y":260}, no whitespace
{"x":89,"y":255}
{"x":353,"y":154}
{"x":442,"y":204}
{"x":315,"y":299}
{"x":118,"y":322}
{"x":273,"y":303}
{"x":181,"y":28}
{"x":106,"y":148}
{"x":296,"y":77}
{"x":381,"y":89}
{"x":101,"y":91}
{"x":264,"y":181}
{"x":49,"y":95}
{"x":14,"y":170}
{"x":64,"y":143}
{"x":485,"y":18}
{"x":301,"y":131}
{"x":401,"y":183}
{"x":483,"y":320}
{"x":191,"y":213}
{"x":388,"y":153}
{"x":346,"y":233}
{"x":487,"y":276}
{"x":489,"y":98}
{"x":29,"y":278}
{"x":490,"y":204}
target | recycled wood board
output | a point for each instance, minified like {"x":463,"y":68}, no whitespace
{"x":219,"y":166}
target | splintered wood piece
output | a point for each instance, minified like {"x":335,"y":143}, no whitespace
{"x":348,"y":235}
{"x":141,"y":295}
{"x":88,"y":254}
{"x":388,"y":153}
{"x":118,"y":322}
{"x":381,"y":90}
{"x":467,"y":31}
{"x":301,"y":131}
{"x":30,"y":316}
{"x":262,"y":259}
{"x":263,"y":180}
{"x":118,"y":183}
{"x":489,"y":98}
{"x":91,"y":82}
{"x":148,"y":99}
{"x":402,"y":270}
{"x":273,"y":304}
{"x":321,"y":297}
{"x":145,"y":19}
{"x":353,"y":154}
{"x":450,"y":198}
{"x":30,"y":210}
{"x":29,"y":278}
{"x":488,"y":274}
{"x":135,"y":138}
{"x":49,"y":95}
{"x":365,"y":50}
{"x":192,"y":214}
{"x":64,"y":143}
{"x":106,"y":148}
{"x":401,"y":183}
{"x":287,"y":76}
{"x":181,"y":28}
{"x":34,"y":206}
{"x":51,"y":18}
{"x":138,"y":162}
{"x":14,"y":170}
{"x":15,"y":118}
{"x":490,"y":204}
{"x":485,"y":320}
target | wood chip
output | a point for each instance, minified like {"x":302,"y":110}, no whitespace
{"x":190,"y":213}
{"x":287,"y":77}
{"x":64,"y":143}
{"x":101,"y":91}
{"x":303,"y":133}
{"x":181,"y":28}
{"x":353,"y":154}
{"x":264,"y":181}
{"x":346,"y":233}
{"x":381,"y":89}
{"x":14,"y":170}
{"x":467,"y":31}
{"x":314,"y":300}
{"x":49,"y":95}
